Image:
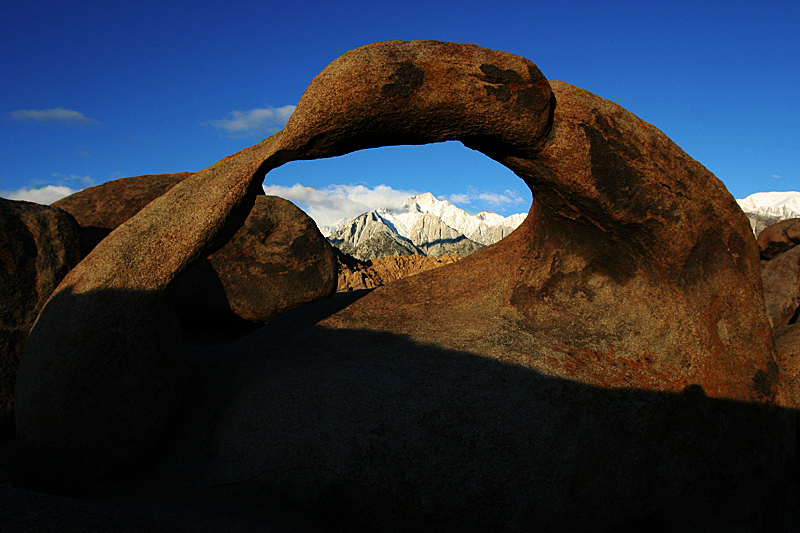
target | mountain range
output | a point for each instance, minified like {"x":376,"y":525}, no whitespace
{"x":430,"y":227}
{"x":425,"y":226}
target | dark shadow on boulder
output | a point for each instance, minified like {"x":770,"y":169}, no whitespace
{"x":578,"y":376}
{"x":369,"y":431}
{"x":204,"y":312}
{"x":91,"y":237}
{"x":38,"y":245}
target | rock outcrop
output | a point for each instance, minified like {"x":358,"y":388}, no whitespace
{"x":609,"y":360}
{"x":354,"y":274}
{"x":100,"y":209}
{"x":779,"y":237}
{"x":276,"y":261}
{"x":38,"y":246}
{"x":781,"y":279}
{"x":787,"y":345}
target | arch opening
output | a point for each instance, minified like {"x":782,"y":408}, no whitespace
{"x":437,"y":198}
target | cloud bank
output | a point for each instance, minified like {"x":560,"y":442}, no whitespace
{"x":43,"y":195}
{"x":329,"y":205}
{"x":57,"y":114}
{"x":244,"y":123}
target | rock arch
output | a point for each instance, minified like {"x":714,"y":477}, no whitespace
{"x":632,"y":286}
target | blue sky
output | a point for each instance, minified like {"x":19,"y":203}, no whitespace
{"x":95,"y":91}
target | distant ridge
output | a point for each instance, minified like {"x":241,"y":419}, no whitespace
{"x":424,"y":226}
{"x":766,"y":208}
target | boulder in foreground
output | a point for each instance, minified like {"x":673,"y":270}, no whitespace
{"x":38,"y":246}
{"x":276,"y":261}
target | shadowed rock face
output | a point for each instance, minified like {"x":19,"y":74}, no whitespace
{"x":38,"y":246}
{"x":276,"y":261}
{"x":778,"y":238}
{"x":781,"y":279}
{"x":607,"y":361}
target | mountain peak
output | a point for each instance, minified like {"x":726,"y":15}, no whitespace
{"x":432,"y":226}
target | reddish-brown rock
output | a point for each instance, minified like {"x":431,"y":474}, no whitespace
{"x":609,"y":360}
{"x":787,"y":345}
{"x":606,"y":361}
{"x":276,"y":261}
{"x":102,"y":208}
{"x":355,"y":274}
{"x":779,"y":237}
{"x":110,"y":327}
{"x":781,"y":279}
{"x":38,"y":246}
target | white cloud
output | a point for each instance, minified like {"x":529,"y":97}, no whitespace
{"x":331,"y":204}
{"x":458,"y":198}
{"x":57,"y":114}
{"x":491,"y":200}
{"x":775,"y":176}
{"x":499,"y":200}
{"x":62,"y":178}
{"x":243,"y":123}
{"x":43,"y":195}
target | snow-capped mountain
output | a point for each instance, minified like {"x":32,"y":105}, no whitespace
{"x":425,"y":226}
{"x":783,"y":204}
{"x":484,"y":228}
{"x":766,"y":208}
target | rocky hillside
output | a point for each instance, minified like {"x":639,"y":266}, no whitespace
{"x":425,"y":226}
{"x":355,"y":274}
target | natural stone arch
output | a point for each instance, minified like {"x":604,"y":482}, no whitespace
{"x":624,"y":229}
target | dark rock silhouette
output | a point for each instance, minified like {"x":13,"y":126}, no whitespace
{"x":779,"y":238}
{"x":607,"y":362}
{"x":38,"y":246}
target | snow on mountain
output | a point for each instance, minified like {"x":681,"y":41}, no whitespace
{"x":766,"y":208}
{"x":784,"y":204}
{"x":431,"y":226}
{"x":484,"y":228}
{"x":369,"y":236}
